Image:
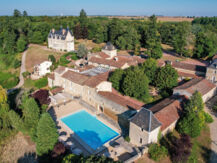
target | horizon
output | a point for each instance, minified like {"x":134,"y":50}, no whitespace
{"x":180,"y":8}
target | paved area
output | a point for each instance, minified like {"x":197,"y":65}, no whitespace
{"x":22,"y":69}
{"x":213,"y":135}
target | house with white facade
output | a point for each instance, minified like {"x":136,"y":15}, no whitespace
{"x":62,"y":40}
{"x":42,"y":69}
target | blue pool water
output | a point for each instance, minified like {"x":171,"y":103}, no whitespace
{"x":89,"y":129}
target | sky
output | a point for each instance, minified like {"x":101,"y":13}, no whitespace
{"x":112,"y":7}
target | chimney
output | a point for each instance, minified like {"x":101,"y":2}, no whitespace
{"x":53,"y":30}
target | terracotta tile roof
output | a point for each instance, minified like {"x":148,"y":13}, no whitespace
{"x":125,"y":101}
{"x":167,"y":111}
{"x":103,"y":55}
{"x":75,"y":77}
{"x":86,"y":67}
{"x":51,"y":76}
{"x":187,"y":75}
{"x":201,"y":85}
{"x":60,"y":70}
{"x":169,"y":114}
{"x":121,"y":61}
{"x":186,"y":66}
{"x":103,"y":61}
{"x":93,"y":81}
{"x":57,"y":90}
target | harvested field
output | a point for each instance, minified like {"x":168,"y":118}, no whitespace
{"x":37,"y":54}
{"x":18,"y":149}
{"x":159,"y":18}
{"x":88,"y":43}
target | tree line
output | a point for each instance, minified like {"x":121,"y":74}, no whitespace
{"x":196,"y":39}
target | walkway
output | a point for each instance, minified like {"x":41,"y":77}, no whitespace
{"x":22,"y":69}
{"x":213,"y":135}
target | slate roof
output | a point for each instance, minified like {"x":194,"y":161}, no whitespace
{"x":146,"y":120}
{"x":213,"y":64}
{"x":60,"y":34}
{"x":122,"y":100}
{"x":201,"y":85}
{"x":109,"y":46}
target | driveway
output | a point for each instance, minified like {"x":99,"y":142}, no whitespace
{"x":22,"y":69}
{"x":213,"y":135}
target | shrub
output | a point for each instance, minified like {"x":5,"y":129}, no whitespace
{"x":181,"y":149}
{"x":17,"y":63}
{"x":52,"y":58}
{"x":215,"y":106}
{"x":41,"y":83}
{"x":59,"y":149}
{"x":44,"y":108}
{"x":26,"y":74}
{"x":208,"y":118}
{"x":42,"y":97}
{"x":157,"y":152}
{"x":127,"y":138}
{"x":95,"y":49}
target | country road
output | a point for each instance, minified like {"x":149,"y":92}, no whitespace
{"x":22,"y":69}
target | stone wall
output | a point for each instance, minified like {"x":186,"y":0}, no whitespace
{"x":209,"y":95}
{"x":211,"y":74}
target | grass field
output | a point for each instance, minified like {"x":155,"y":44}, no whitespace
{"x":201,"y":148}
{"x":37,"y":54}
{"x":8,"y":74}
{"x":17,"y":148}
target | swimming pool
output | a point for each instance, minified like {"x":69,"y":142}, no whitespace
{"x":92,"y":131}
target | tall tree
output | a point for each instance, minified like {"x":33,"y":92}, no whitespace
{"x":205,"y":46}
{"x":193,"y":119}
{"x":17,"y":13}
{"x":25,"y":13}
{"x":135,"y":84}
{"x":150,"y":68}
{"x":21,"y":44}
{"x":166,"y":77}
{"x":153,"y":39}
{"x":117,"y":79}
{"x":83,"y":18}
{"x":47,"y":135}
{"x":180,"y":39}
{"x":82,"y":51}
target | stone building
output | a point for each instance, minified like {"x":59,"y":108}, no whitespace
{"x":211,"y":71}
{"x":109,"y":58}
{"x":93,"y":88}
{"x":62,"y":40}
{"x":202,"y":85}
{"x":144,"y":128}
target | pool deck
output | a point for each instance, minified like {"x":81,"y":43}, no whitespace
{"x":70,"y":108}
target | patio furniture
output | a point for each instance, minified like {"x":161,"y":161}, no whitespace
{"x":63,"y":138}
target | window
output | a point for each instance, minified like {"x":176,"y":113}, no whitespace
{"x":142,"y":129}
{"x":140,"y":140}
{"x":101,"y":108}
